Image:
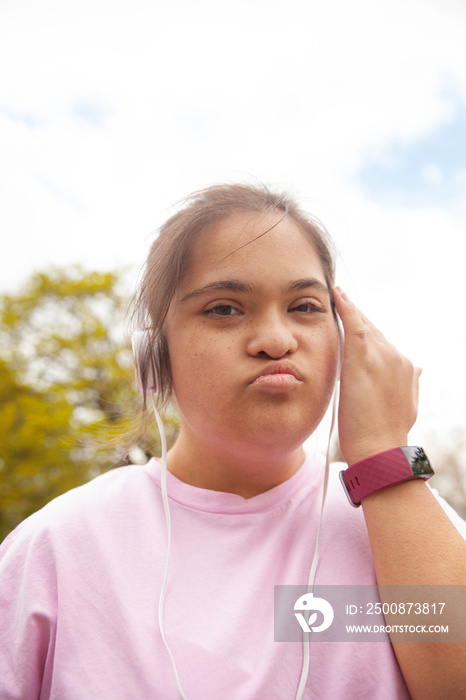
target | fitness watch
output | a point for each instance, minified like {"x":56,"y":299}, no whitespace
{"x":383,"y":470}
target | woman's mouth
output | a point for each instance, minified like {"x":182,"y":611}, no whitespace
{"x":278,"y":377}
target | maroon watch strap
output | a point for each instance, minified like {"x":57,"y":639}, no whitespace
{"x":384,"y":469}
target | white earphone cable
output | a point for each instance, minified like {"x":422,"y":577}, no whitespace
{"x":166,"y":507}
{"x":315,"y":560}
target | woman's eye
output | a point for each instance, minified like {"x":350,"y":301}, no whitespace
{"x":306,"y":308}
{"x":222,"y":310}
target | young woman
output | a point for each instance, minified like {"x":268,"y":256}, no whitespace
{"x":241,"y":319}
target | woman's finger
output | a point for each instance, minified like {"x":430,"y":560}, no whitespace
{"x":379,"y":388}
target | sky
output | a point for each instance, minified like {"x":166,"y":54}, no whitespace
{"x":111,"y":111}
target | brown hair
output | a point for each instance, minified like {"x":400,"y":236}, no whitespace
{"x":168,"y":260}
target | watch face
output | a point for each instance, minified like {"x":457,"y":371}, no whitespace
{"x":418,"y":461}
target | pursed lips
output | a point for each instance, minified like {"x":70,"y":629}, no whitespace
{"x":287,"y":373}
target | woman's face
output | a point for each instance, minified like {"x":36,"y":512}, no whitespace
{"x":252,"y":339}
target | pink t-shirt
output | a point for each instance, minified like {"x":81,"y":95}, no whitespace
{"x":80,"y":583}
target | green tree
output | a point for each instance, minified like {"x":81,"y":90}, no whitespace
{"x":34,"y":430}
{"x":68,"y":397}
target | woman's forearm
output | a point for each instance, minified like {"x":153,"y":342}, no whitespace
{"x":415,"y":544}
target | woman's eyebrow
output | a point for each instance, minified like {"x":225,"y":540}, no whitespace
{"x":300,"y":285}
{"x":222,"y":286}
{"x":246,"y":288}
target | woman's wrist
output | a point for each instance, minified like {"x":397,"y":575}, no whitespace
{"x":384,"y":470}
{"x":372,"y":446}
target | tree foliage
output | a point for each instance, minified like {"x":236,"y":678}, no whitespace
{"x":66,"y":385}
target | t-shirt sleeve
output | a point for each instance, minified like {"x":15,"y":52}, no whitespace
{"x":27,"y":611}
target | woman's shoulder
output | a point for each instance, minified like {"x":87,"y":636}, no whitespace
{"x":107,"y":497}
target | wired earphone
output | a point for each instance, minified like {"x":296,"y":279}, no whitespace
{"x":146,"y":378}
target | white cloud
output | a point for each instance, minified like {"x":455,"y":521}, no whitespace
{"x":433,"y":175}
{"x":112,"y":110}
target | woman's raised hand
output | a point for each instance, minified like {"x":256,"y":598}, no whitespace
{"x":378,"y":388}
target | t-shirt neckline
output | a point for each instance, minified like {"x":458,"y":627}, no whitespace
{"x":307,"y":477}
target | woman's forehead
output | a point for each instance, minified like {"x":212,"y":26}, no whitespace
{"x":246,"y":239}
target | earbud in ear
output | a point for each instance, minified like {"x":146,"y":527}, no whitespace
{"x":341,"y":356}
{"x":341,"y":348}
{"x":144,"y":364}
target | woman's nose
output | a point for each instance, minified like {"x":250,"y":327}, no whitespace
{"x":273,"y":336}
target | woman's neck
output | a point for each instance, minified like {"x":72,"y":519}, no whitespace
{"x":241,"y":471}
